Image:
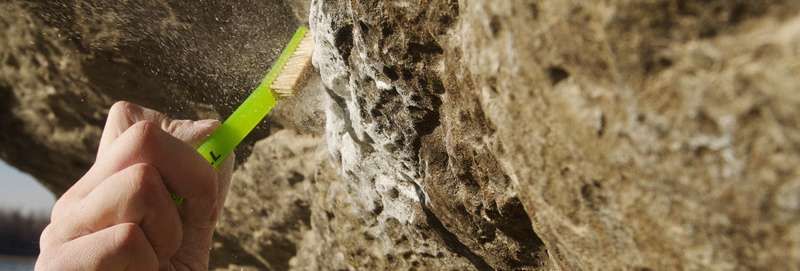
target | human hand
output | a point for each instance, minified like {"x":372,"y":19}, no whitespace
{"x":119,"y":216}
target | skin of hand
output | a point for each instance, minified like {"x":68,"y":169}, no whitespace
{"x":119,"y":216}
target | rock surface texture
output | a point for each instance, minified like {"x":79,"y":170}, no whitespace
{"x":449,"y":134}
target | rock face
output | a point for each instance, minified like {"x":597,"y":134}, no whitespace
{"x":649,"y":136}
{"x":483,"y":135}
{"x":390,"y":130}
{"x":658,"y":135}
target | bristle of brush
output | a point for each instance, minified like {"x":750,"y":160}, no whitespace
{"x":295,"y":73}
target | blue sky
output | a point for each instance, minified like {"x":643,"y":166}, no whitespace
{"x":19,"y":191}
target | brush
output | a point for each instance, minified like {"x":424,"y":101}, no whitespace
{"x":287,"y":75}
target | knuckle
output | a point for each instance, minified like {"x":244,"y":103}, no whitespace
{"x":45,"y":239}
{"x":131,"y":241}
{"x":144,"y":132}
{"x":145,"y":180}
{"x":59,"y":208}
{"x":46,"y":261}
{"x":145,"y":172}
{"x":148,"y":188}
{"x":128,"y":236}
{"x":121,"y":108}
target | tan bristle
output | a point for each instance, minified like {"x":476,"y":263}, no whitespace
{"x":295,"y":73}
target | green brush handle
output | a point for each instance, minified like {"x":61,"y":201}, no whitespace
{"x":220,"y":144}
{"x":224,"y":140}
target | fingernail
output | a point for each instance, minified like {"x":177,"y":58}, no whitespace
{"x":207,"y":123}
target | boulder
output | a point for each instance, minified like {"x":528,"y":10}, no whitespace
{"x":444,"y":134}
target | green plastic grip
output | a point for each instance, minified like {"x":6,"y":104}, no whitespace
{"x":224,"y":140}
{"x":220,"y":144}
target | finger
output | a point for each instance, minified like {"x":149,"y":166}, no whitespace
{"x":121,"y":247}
{"x":183,"y":171}
{"x":133,"y":195}
{"x":122,"y":116}
{"x":192,"y":132}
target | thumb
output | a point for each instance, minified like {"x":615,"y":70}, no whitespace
{"x":198,"y":238}
{"x":192,"y":132}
